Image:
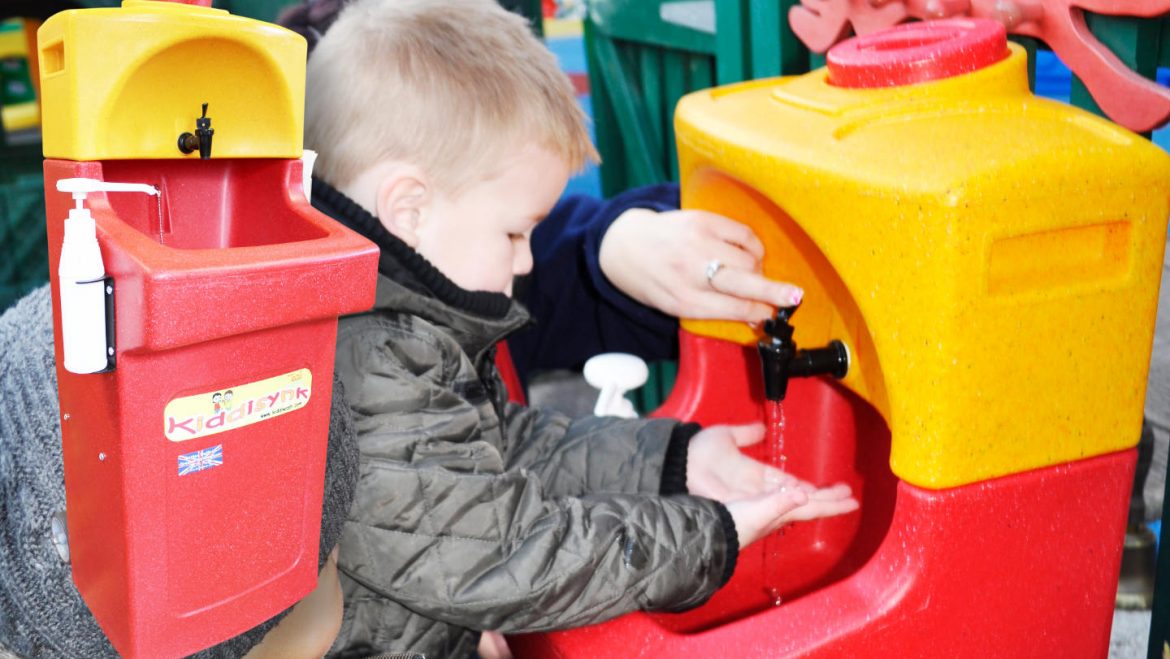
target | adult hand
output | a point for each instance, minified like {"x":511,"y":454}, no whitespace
{"x":662,"y":260}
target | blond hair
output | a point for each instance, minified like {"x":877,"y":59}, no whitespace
{"x":451,"y":86}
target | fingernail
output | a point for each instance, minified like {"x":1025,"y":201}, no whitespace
{"x":797,"y":296}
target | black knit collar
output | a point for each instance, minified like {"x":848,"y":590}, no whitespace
{"x":400,"y":262}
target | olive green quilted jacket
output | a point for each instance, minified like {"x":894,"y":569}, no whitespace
{"x":473,"y":513}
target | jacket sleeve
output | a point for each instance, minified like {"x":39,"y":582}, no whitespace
{"x":578,"y":312}
{"x":440,"y":526}
{"x":592,"y":455}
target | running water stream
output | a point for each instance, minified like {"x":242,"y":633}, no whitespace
{"x":774,"y":429}
{"x":774,"y":443}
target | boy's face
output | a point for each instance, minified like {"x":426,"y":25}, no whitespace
{"x":480,"y":237}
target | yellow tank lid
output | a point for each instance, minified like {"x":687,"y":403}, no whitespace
{"x":125,"y":83}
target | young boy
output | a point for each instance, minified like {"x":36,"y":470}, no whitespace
{"x":445,"y":133}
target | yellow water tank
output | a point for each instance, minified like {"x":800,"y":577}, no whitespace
{"x":125,"y":83}
{"x":990,"y":258}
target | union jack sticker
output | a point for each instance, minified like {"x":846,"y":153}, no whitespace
{"x":207,"y":458}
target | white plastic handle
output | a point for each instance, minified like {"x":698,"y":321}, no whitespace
{"x":615,"y":373}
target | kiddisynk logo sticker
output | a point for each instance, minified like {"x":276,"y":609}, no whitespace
{"x":233,"y":407}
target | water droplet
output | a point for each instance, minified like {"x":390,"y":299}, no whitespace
{"x":774,"y":596}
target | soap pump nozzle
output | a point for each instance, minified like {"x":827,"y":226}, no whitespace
{"x":782,"y":360}
{"x":200,"y":140}
{"x":86,"y":336}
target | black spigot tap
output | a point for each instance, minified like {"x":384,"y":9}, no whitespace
{"x":200,"y":140}
{"x":782,"y":360}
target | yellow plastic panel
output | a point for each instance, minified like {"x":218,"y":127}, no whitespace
{"x":126,"y":82}
{"x":990,"y":258}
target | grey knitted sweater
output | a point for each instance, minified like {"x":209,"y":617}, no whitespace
{"x":41,"y":612}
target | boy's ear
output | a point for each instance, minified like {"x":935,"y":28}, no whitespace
{"x":402,"y":199}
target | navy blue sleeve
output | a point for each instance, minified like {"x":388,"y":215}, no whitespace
{"x":578,"y":312}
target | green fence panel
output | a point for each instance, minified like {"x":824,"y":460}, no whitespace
{"x":731,"y":24}
{"x":23,"y":245}
{"x":22,"y":222}
{"x":775,"y":49}
{"x":261,"y":10}
{"x":643,"y":55}
{"x":659,"y":50}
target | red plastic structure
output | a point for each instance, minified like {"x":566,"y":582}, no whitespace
{"x":195,"y":515}
{"x":1126,"y":97}
{"x":965,"y":572}
{"x":1023,"y":565}
{"x":509,"y":374}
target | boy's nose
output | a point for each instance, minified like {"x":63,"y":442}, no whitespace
{"x":522,"y":261}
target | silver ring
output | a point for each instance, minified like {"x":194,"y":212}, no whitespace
{"x":713,"y":268}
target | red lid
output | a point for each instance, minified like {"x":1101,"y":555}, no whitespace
{"x":917,"y":52}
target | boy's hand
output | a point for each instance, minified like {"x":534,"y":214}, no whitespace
{"x":717,"y":469}
{"x":759,"y":497}
{"x":759,"y":516}
{"x":493,"y":645}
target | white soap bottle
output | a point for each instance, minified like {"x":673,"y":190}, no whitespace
{"x":82,"y":279}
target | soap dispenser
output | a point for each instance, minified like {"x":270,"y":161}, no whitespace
{"x":86,"y":331}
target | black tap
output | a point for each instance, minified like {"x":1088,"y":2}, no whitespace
{"x":200,"y":140}
{"x":782,"y":360}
